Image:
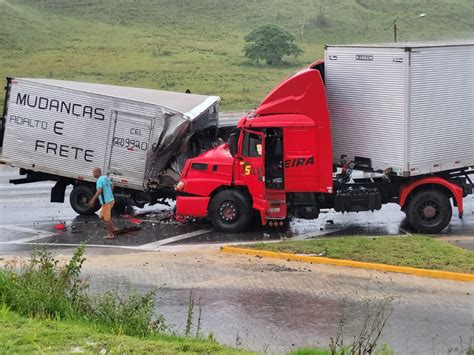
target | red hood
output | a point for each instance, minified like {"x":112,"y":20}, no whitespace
{"x":216,"y":156}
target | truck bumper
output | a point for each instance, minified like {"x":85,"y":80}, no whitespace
{"x":191,"y":206}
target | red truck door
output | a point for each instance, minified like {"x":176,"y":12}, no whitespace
{"x":250,"y":171}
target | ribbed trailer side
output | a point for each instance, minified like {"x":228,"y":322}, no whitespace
{"x":409,"y":108}
{"x":441,"y":109}
{"x":366,"y":89}
{"x":66,"y":132}
{"x":47,"y":129}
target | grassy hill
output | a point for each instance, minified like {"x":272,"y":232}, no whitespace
{"x":197,"y":44}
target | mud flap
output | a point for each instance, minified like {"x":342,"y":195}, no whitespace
{"x":58,"y":191}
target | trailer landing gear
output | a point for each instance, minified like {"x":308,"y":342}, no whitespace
{"x":429,"y":211}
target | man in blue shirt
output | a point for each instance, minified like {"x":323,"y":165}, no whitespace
{"x":106,"y":198}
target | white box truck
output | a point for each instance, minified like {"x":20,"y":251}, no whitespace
{"x":60,"y":130}
{"x":401,"y":106}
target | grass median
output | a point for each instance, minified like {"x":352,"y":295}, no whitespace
{"x":412,"y":251}
{"x":39,"y":335}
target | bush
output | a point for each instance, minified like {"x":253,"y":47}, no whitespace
{"x":43,"y":288}
{"x":132,"y":314}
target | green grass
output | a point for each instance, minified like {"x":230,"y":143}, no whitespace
{"x":39,"y":335}
{"x":197,"y":44}
{"x":414,"y":251}
{"x":22,"y":335}
{"x":310,"y":351}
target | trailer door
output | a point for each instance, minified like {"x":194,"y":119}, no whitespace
{"x":131,"y":136}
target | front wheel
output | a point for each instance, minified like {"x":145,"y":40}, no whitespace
{"x":79,"y":198}
{"x":230,"y":211}
{"x":429,"y":211}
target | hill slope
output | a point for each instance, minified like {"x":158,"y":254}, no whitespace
{"x":197,"y":44}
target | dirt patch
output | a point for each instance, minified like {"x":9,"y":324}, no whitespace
{"x":273,"y":268}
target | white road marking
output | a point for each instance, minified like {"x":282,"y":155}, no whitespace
{"x":73,"y":245}
{"x":39,"y":234}
{"x":26,"y":199}
{"x":155,"y":245}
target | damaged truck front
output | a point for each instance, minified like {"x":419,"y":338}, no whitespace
{"x":141,"y":138}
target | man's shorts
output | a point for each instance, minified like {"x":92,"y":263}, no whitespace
{"x":106,"y":210}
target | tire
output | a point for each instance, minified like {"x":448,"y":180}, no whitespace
{"x":80,"y":196}
{"x":230,"y":211}
{"x":122,"y":205}
{"x":429,"y":211}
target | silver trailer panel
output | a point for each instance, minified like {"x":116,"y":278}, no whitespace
{"x":406,"y":107}
{"x":67,"y":128}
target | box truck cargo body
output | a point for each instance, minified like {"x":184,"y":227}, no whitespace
{"x":404,"y":107}
{"x":62,"y":129}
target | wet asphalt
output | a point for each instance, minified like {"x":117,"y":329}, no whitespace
{"x":251,"y":317}
{"x":28,"y":219}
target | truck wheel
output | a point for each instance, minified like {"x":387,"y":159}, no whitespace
{"x":80,"y":196}
{"x":429,"y":211}
{"x":230,"y":211}
{"x":122,"y":205}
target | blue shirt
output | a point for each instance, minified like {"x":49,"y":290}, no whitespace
{"x":103,"y":182}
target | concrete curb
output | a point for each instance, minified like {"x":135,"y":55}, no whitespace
{"x":349,"y":263}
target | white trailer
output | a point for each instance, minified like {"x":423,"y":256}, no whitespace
{"x":406,"y":108}
{"x":61,"y":130}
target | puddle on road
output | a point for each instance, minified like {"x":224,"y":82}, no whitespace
{"x":254,"y":319}
{"x":280,"y":321}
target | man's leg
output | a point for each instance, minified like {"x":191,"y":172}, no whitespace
{"x":114,"y":226}
{"x":107,"y":216}
{"x":110,"y":229}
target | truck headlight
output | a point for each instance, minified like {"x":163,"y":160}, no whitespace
{"x":180,"y":186}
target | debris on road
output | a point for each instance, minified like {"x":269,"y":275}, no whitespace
{"x":60,"y":227}
{"x":126,"y":230}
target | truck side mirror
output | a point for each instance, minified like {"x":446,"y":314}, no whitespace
{"x":233,"y":143}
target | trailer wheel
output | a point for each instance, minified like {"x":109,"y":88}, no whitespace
{"x":230,"y":211}
{"x":429,"y":211}
{"x":80,"y":196}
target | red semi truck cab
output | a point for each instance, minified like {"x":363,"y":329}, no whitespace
{"x":279,"y":163}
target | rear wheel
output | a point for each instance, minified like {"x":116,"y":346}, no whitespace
{"x":230,"y":211}
{"x":80,"y":197}
{"x":429,"y":211}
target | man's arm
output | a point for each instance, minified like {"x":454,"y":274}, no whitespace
{"x":95,"y":197}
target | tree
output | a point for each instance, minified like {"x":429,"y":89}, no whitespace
{"x":270,"y":43}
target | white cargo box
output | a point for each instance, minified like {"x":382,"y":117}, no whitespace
{"x":66,"y":128}
{"x":408,"y":107}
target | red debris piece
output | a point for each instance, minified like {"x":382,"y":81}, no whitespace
{"x":60,"y":227}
